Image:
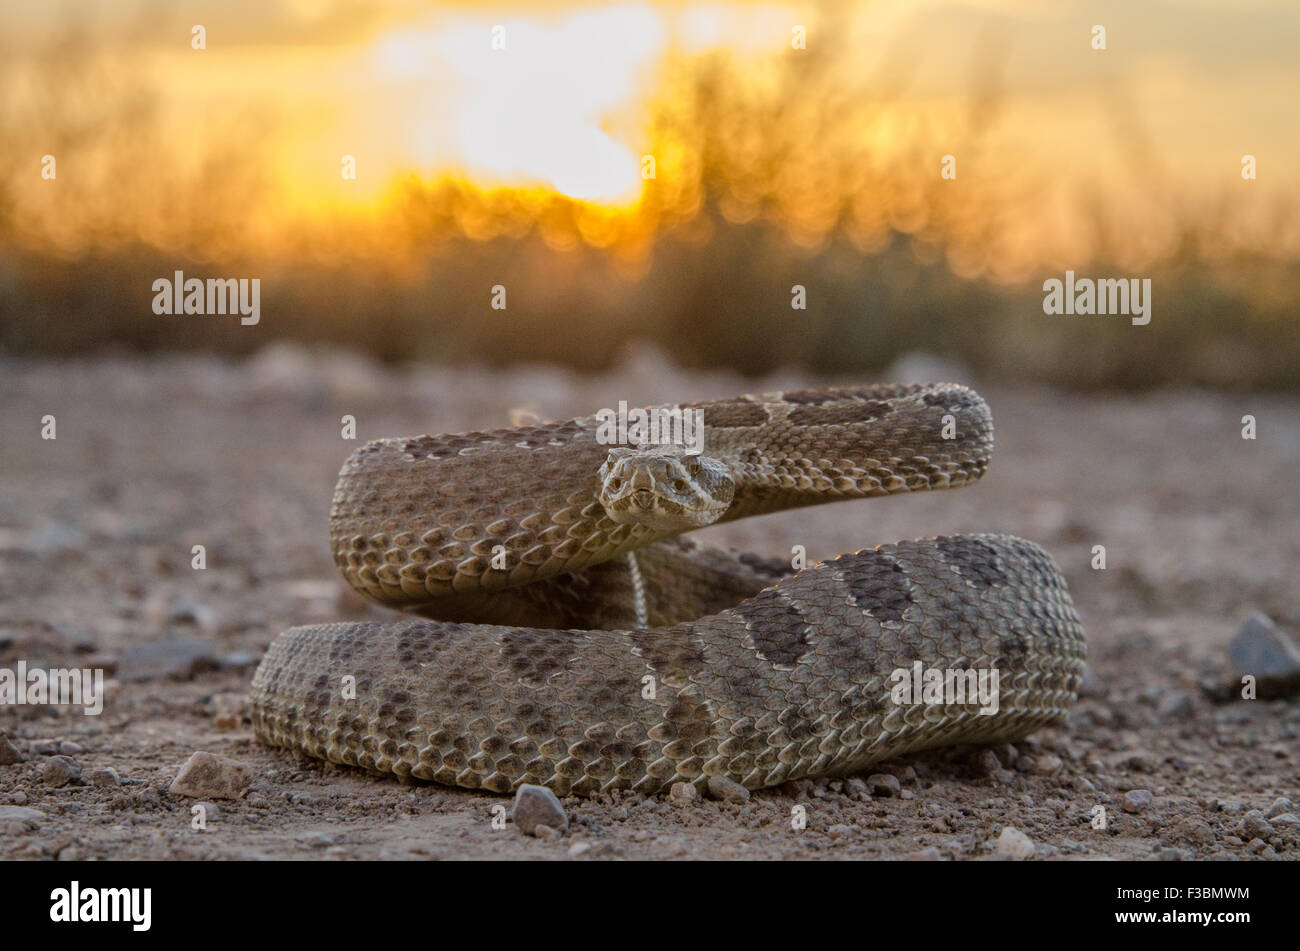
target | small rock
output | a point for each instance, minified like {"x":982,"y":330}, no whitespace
{"x":728,"y":790}
{"x":20,"y":814}
{"x":1047,"y":765}
{"x":684,"y":792}
{"x":209,"y":813}
{"x":45,"y":748}
{"x":883,"y":784}
{"x":545,"y":832}
{"x":579,"y":848}
{"x":1280,"y":805}
{"x":68,"y":748}
{"x":1137,"y":800}
{"x":1139,"y":761}
{"x":1285,"y":819}
{"x":1175,"y":704}
{"x":839,"y":830}
{"x":206,"y":775}
{"x":105,"y":776}
{"x":1262,"y":650}
{"x":1254,"y":825}
{"x":1014,"y":844}
{"x":1172,"y":855}
{"x":9,"y":754}
{"x":989,"y":764}
{"x":857,"y":788}
{"x":537,"y":806}
{"x":60,"y":771}
{"x":1228,"y":804}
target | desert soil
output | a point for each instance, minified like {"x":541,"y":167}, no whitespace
{"x":154,"y":455}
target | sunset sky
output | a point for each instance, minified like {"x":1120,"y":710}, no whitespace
{"x":238,"y":147}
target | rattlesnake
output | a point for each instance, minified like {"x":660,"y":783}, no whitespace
{"x":579,"y":642}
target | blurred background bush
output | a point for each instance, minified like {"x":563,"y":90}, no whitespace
{"x":773,"y":166}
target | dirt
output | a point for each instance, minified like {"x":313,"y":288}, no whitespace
{"x":155,"y":455}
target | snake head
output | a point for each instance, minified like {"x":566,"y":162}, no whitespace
{"x":665,"y":488}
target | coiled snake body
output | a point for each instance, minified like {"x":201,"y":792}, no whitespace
{"x":575,"y":640}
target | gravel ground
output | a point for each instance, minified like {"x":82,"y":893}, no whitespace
{"x":156,"y":455}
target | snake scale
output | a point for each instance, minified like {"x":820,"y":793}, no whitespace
{"x":567,"y":634}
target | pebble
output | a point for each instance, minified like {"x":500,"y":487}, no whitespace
{"x":989,"y":764}
{"x":206,"y":775}
{"x":537,"y":806}
{"x":1193,"y":830}
{"x":1014,"y":844}
{"x":1280,"y":805}
{"x":1137,"y":760}
{"x":1048,"y":765}
{"x":60,"y":771}
{"x":1254,"y":825}
{"x":1137,"y":800}
{"x":1175,"y":704}
{"x":20,"y":814}
{"x":9,"y":754}
{"x":45,"y":748}
{"x":579,"y":848}
{"x":545,"y":832}
{"x":684,"y":792}
{"x":105,"y":776}
{"x":68,"y":748}
{"x":1285,"y":819}
{"x":1264,"y":651}
{"x":1173,"y":855}
{"x":883,"y":784}
{"x":857,"y":788}
{"x":839,"y":830}
{"x":728,"y":790}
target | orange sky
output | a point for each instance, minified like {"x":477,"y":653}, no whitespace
{"x":160,"y":143}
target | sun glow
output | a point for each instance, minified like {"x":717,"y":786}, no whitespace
{"x":523,"y":102}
